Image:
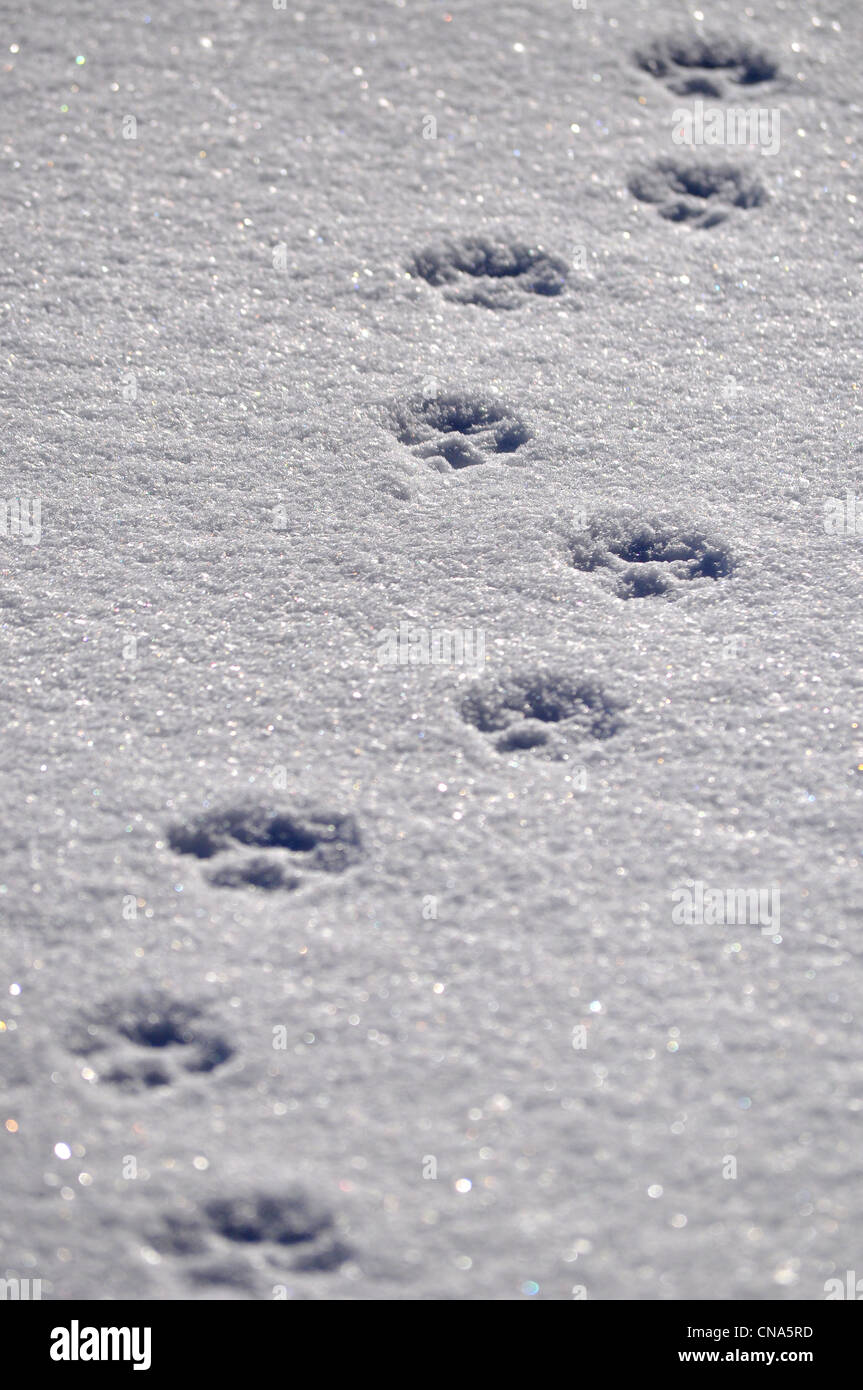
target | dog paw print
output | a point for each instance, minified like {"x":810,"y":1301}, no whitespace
{"x":491,"y":272}
{"x":697,"y":65}
{"x":149,"y":1039}
{"x":544,"y":711}
{"x":289,"y":1229}
{"x":703,"y":194}
{"x":453,"y":429}
{"x":648,"y":559}
{"x":284,"y":842}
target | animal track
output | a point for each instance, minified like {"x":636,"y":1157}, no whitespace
{"x":542,"y":710}
{"x":312,"y":839}
{"x":456,"y":430}
{"x":275,"y":1220}
{"x":646,"y":558}
{"x":491,"y":272}
{"x":692,"y":65}
{"x":286,"y":1219}
{"x":149,"y":1039}
{"x":698,"y":192}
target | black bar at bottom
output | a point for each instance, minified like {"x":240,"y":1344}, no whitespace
{"x":230,"y":1337}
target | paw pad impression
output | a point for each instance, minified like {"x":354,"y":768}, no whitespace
{"x":284,"y":843}
{"x":492,"y":272}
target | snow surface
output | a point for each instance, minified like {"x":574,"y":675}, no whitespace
{"x":287,"y":928}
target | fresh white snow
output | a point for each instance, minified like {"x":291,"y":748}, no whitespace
{"x":473,"y":1053}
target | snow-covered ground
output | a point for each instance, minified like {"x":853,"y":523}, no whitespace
{"x":332,"y":968}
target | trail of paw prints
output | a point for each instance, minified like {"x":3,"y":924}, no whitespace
{"x":698,"y":65}
{"x":702,"y":193}
{"x":148,"y":1039}
{"x":491,"y":272}
{"x":648,"y":558}
{"x":455,"y":429}
{"x":547,"y":712}
{"x":286,"y":1228}
{"x":297,"y":840}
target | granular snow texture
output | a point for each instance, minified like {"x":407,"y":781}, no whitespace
{"x":415,"y":571}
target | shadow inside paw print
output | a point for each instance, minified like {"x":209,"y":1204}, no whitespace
{"x":648,"y":558}
{"x":695,"y":65}
{"x":543,"y":710}
{"x":453,"y":429}
{"x":700,"y":193}
{"x":149,"y":1039}
{"x":314,"y":839}
{"x":491,"y":272}
{"x":275,"y":1221}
